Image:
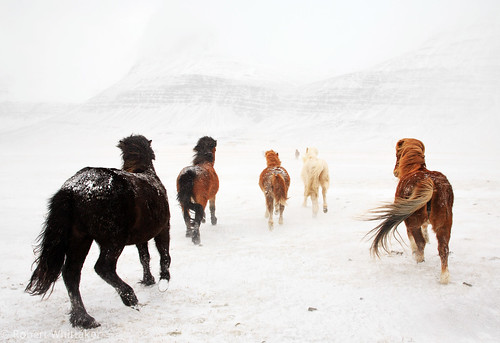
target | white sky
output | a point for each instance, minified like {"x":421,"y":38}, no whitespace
{"x":68,"y":51}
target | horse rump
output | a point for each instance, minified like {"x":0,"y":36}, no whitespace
{"x":279,"y":188}
{"x":394,"y":214}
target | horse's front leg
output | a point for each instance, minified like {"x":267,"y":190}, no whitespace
{"x":106,"y":269}
{"x":325,"y":205}
{"x":213,"y":218}
{"x":163,"y":245}
{"x":144,"y":257}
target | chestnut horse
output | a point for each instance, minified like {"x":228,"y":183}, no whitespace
{"x":422,"y":197}
{"x":274,"y":182}
{"x":197,"y":185}
{"x":315,"y":174}
{"x":113,"y":207}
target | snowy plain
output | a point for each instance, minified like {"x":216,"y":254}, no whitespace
{"x":311,"y":279}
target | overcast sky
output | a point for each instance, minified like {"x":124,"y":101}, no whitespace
{"x":68,"y":51}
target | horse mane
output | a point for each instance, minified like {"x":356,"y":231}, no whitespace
{"x":137,"y":153}
{"x":272,"y":159}
{"x":205,"y":150}
{"x":410,"y":156}
{"x":310,"y":153}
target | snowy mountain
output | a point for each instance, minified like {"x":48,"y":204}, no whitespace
{"x":453,"y":75}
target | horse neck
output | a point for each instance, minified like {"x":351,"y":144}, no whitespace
{"x":134,"y":167}
{"x":273,"y":164}
{"x":205,"y":164}
{"x":411,"y":169}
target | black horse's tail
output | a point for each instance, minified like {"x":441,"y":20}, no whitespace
{"x":52,"y":246}
{"x":185,"y":194}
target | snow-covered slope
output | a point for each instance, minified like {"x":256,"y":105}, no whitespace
{"x":453,"y":76}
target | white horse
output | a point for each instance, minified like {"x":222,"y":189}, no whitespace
{"x":315,"y":174}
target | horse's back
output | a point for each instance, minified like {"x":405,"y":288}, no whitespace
{"x":102,"y":200}
{"x":268,"y":173}
{"x":205,"y":181}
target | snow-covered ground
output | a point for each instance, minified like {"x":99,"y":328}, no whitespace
{"x":311,"y":279}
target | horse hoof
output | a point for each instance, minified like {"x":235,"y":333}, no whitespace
{"x":445,"y":278}
{"x":147,"y":281}
{"x":325,"y":210}
{"x":196,"y":238}
{"x":189,"y":233}
{"x":163,"y":285}
{"x":84,"y":321}
{"x":214,"y":221}
{"x":129,"y":299}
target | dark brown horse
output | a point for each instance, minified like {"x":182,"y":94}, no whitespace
{"x":422,"y":197}
{"x":197,"y":185}
{"x":274,"y":182}
{"x":113,"y":207}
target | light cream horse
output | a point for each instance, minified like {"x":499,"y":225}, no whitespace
{"x":315,"y":174}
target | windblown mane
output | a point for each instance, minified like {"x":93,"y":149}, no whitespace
{"x":272,"y":159}
{"x":410,"y":156}
{"x":205,"y":150}
{"x":310,"y":153}
{"x":137,"y":153}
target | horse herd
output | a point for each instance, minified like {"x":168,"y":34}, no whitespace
{"x":119,"y":207}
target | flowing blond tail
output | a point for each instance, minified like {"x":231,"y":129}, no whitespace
{"x":312,"y":182}
{"x":394,"y":214}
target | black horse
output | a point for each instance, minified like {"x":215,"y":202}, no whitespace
{"x":113,"y":207}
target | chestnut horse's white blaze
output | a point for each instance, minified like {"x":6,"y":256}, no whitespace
{"x":315,"y":174}
{"x":422,"y":197}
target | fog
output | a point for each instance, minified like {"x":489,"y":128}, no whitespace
{"x":58,"y":51}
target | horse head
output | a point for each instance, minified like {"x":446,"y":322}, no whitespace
{"x":410,"y":155}
{"x":137,"y":153}
{"x":272,"y":159}
{"x":311,"y":153}
{"x":205,"y":150}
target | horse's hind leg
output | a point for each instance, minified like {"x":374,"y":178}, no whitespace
{"x":315,"y":205}
{"x":269,"y":210}
{"x":417,"y":242}
{"x":106,"y":269}
{"x":163,"y":245}
{"x":198,"y":216}
{"x":425,"y":233}
{"x":75,"y":256}
{"x":144,"y":257}
{"x":213,"y":218}
{"x":325,"y":205}
{"x":282,"y":209}
{"x":443,"y":238}
{"x":187,"y":221}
